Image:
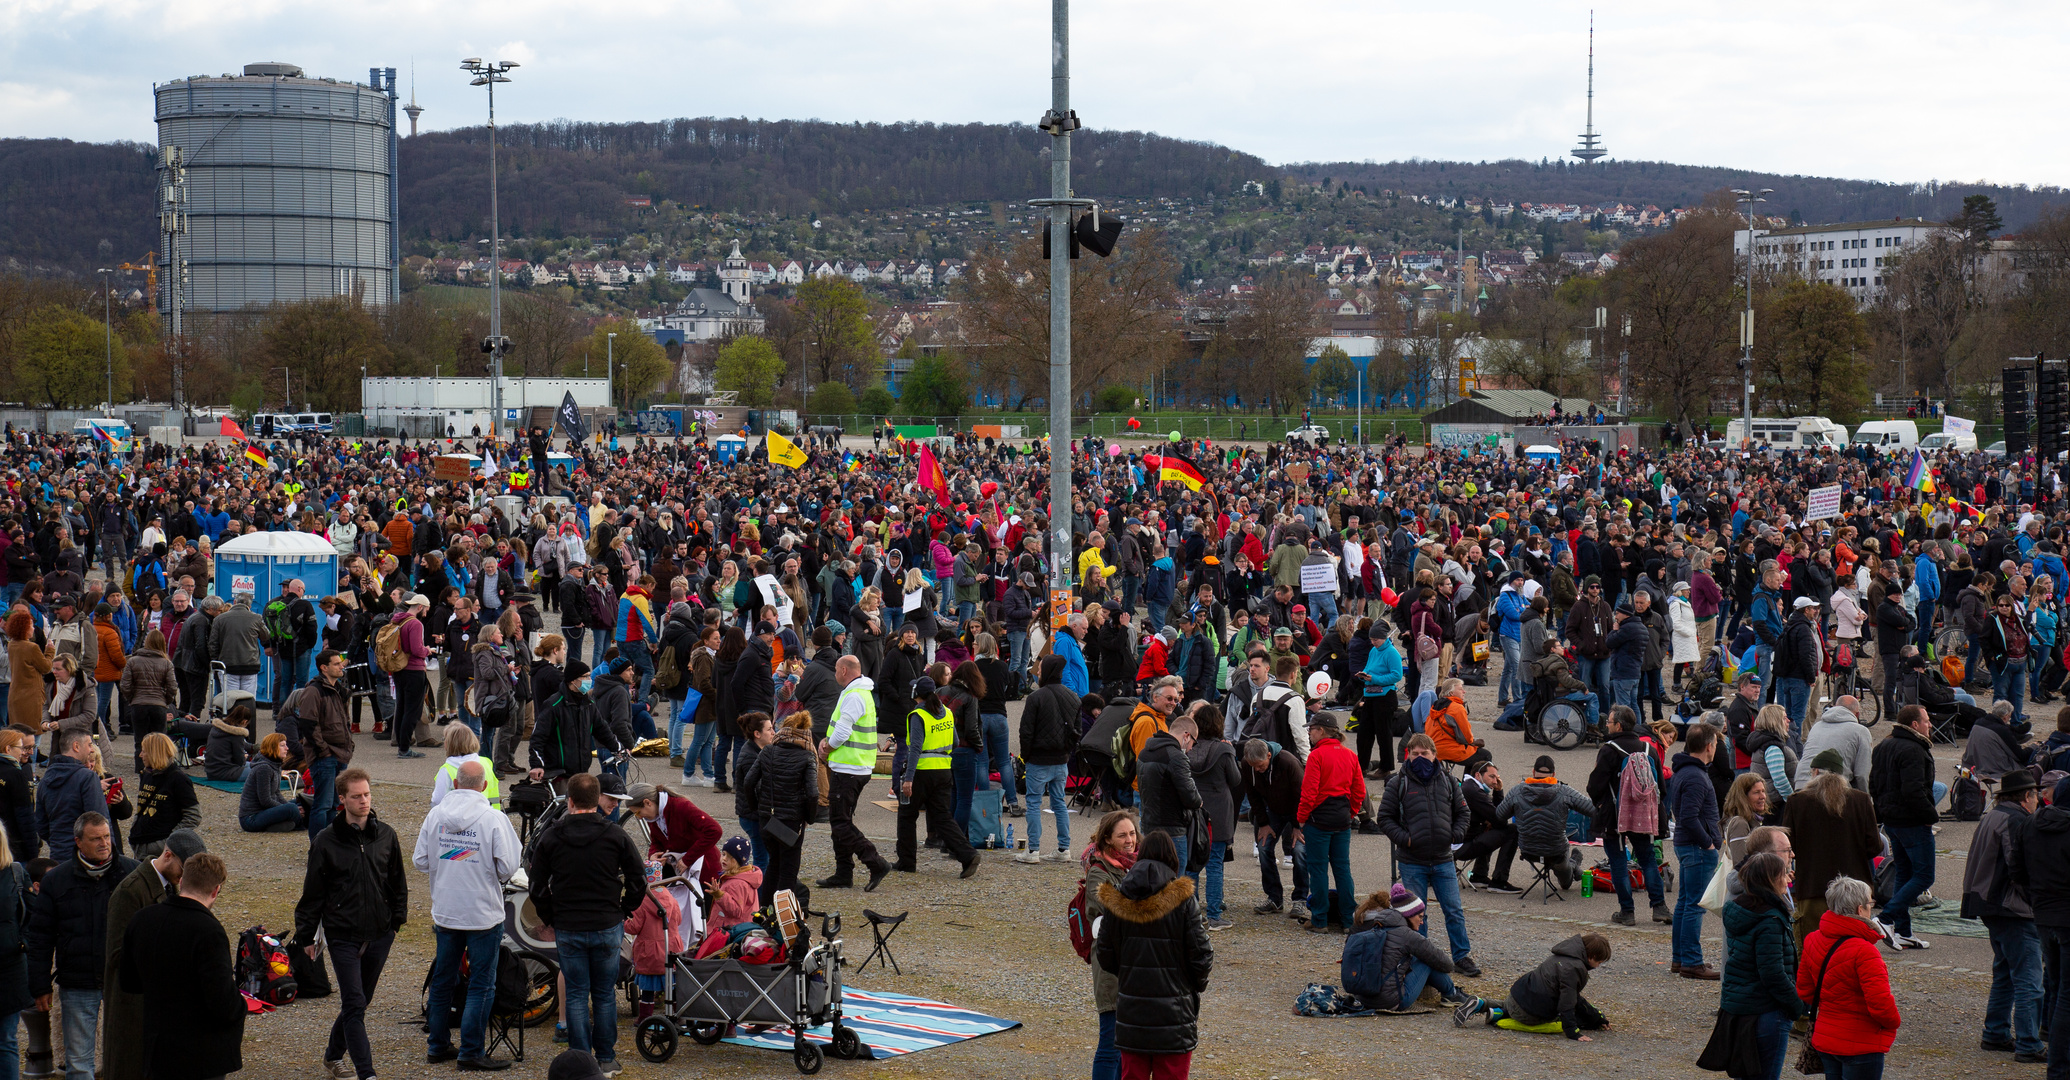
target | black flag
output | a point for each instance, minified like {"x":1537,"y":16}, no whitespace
{"x":570,"y":418}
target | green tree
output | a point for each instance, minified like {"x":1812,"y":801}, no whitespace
{"x":832,"y":399}
{"x":1978,"y":219}
{"x":1335,"y":376}
{"x":835,"y":330}
{"x":62,"y":358}
{"x":876,"y":401}
{"x":750,"y":366}
{"x":1815,"y":340}
{"x":933,"y":388}
{"x":640,"y":363}
{"x":1115,"y":398}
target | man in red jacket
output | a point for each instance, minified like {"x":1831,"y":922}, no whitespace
{"x":1333,"y":791}
{"x":676,"y":826}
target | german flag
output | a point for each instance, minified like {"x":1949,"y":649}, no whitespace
{"x":256,"y":454}
{"x":1172,"y":468}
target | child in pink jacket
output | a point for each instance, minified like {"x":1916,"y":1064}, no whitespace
{"x":657,"y":930}
{"x":740,"y":889}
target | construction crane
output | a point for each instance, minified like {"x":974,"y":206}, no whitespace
{"x":150,"y":267}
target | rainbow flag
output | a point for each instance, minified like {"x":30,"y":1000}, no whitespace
{"x":101,"y":435}
{"x":1917,"y":476}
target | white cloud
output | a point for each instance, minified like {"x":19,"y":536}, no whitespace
{"x":1899,"y":90}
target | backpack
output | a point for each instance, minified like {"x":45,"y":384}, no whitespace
{"x":388,"y":650}
{"x":263,"y":969}
{"x":1638,"y":795}
{"x":1361,"y":971}
{"x":274,"y":628}
{"x":1079,"y":924}
{"x":1123,"y":752}
{"x":290,"y":713}
{"x":668,"y":673}
{"x":1966,"y":799}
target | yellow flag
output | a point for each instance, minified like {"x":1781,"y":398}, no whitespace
{"x":784,"y":452}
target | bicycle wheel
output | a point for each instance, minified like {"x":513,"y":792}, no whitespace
{"x":1951,"y":641}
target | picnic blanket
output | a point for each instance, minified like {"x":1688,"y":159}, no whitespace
{"x":891,"y":1024}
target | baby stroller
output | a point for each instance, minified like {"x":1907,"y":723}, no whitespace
{"x":1470,"y":662}
{"x":704,"y":998}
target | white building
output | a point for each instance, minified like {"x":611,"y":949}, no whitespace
{"x":1850,"y":254}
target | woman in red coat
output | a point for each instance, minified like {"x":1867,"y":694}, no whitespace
{"x":1841,"y":972}
{"x":675,"y":826}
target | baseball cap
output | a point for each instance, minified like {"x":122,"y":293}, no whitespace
{"x":1804,"y":602}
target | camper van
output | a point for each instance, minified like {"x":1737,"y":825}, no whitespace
{"x":1794,"y":433}
{"x":1888,"y":436}
{"x":1960,"y":441}
{"x":116,"y":429}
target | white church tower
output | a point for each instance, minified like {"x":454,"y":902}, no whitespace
{"x":735,"y":277}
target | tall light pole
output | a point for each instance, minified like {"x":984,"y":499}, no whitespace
{"x":804,"y":382}
{"x":1747,"y":199}
{"x":489,"y":74}
{"x":1059,"y":122}
{"x":610,"y":341}
{"x":108,"y":327}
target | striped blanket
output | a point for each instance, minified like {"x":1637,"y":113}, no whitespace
{"x":891,"y":1024}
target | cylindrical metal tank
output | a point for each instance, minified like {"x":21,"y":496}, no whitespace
{"x":289,"y":188}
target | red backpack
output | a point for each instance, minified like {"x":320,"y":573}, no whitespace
{"x":1079,"y":924}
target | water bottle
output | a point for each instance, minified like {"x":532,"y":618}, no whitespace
{"x":1009,"y":836}
{"x":1588,"y":884}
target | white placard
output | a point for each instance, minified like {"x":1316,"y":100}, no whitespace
{"x":1318,"y":577}
{"x":1824,"y":503}
{"x":913,"y":600}
{"x":1955,"y":425}
{"x":772,"y":592}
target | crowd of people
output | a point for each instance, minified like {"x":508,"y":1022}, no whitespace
{"x":1282,"y":637}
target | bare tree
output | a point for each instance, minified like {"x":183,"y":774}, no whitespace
{"x":1275,"y":326}
{"x":1677,"y":288}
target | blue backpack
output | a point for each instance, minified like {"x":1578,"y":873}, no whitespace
{"x":1361,"y":972}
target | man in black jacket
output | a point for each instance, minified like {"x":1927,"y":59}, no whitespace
{"x":1164,"y":782}
{"x":290,"y":650}
{"x":818,"y":688}
{"x":177,"y":956}
{"x":1049,"y":732}
{"x":570,"y":730}
{"x":357,"y":889}
{"x":1797,"y":664}
{"x":1272,"y":786}
{"x":67,"y":933}
{"x":1423,"y":811}
{"x":1894,"y":627}
{"x":573,"y":600}
{"x":1907,"y":805}
{"x":1487,"y":833}
{"x":587,"y":879}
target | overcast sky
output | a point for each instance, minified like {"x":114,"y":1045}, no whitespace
{"x":1891,"y":90}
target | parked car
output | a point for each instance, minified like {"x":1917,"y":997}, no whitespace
{"x":1310,"y":435}
{"x":1996,"y":449}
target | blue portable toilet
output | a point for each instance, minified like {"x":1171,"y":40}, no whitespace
{"x":259,"y":563}
{"x":730,"y":448}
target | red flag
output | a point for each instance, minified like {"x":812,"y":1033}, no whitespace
{"x":931,"y":476}
{"x":231,"y":429}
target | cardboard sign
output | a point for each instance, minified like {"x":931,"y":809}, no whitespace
{"x":1823,"y":503}
{"x":1297,"y":472}
{"x":1319,"y":577}
{"x":1059,"y":608}
{"x":451,"y":468}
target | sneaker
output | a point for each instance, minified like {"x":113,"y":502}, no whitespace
{"x":722,"y":787}
{"x":2031,"y":1057}
{"x":1028,"y":858}
{"x":1915,"y":943}
{"x":608,"y":1069}
{"x":1059,"y":855}
{"x":1219,"y":924}
{"x":1465,"y":966}
{"x":1927,"y":902}
{"x":1269,"y":907}
{"x":560,"y":1033}
{"x":409,"y":753}
{"x":1014,"y":810}
{"x":1468,"y":1011}
{"x":1662,"y":915}
{"x":1286,"y":862}
{"x":1624,"y":918}
{"x":1505,"y":888}
{"x":675,"y":761}
{"x":1890,"y":935}
{"x":340,"y":1069}
{"x":1299,"y":913}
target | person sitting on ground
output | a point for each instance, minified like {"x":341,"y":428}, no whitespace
{"x":1388,"y":960}
{"x":1549,"y":997}
{"x":1540,"y":806}
{"x":1449,"y":727}
{"x":260,"y":808}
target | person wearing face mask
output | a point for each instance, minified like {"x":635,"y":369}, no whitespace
{"x":573,"y":727}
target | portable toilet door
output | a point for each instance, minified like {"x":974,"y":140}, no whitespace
{"x":730,"y":448}
{"x":259,"y":564}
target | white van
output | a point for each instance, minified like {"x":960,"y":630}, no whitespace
{"x":1794,"y":433}
{"x":1888,"y":436}
{"x":1961,"y":441}
{"x":116,"y":429}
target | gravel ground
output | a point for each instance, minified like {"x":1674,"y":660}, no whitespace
{"x":996,"y":943}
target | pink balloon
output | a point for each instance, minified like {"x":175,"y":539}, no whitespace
{"x":1113,"y":451}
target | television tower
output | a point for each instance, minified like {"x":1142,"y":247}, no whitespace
{"x":1590,"y":148}
{"x":415,"y":110}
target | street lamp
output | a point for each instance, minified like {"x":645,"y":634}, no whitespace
{"x":804,"y":382}
{"x":489,"y":74}
{"x":108,"y":328}
{"x":1747,"y":199}
{"x":609,"y":343}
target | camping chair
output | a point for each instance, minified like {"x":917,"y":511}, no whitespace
{"x":881,"y":928}
{"x":1541,"y":879}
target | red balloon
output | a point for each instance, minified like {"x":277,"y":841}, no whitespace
{"x":1389,"y":597}
{"x":988,"y":489}
{"x":1134,"y":423}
